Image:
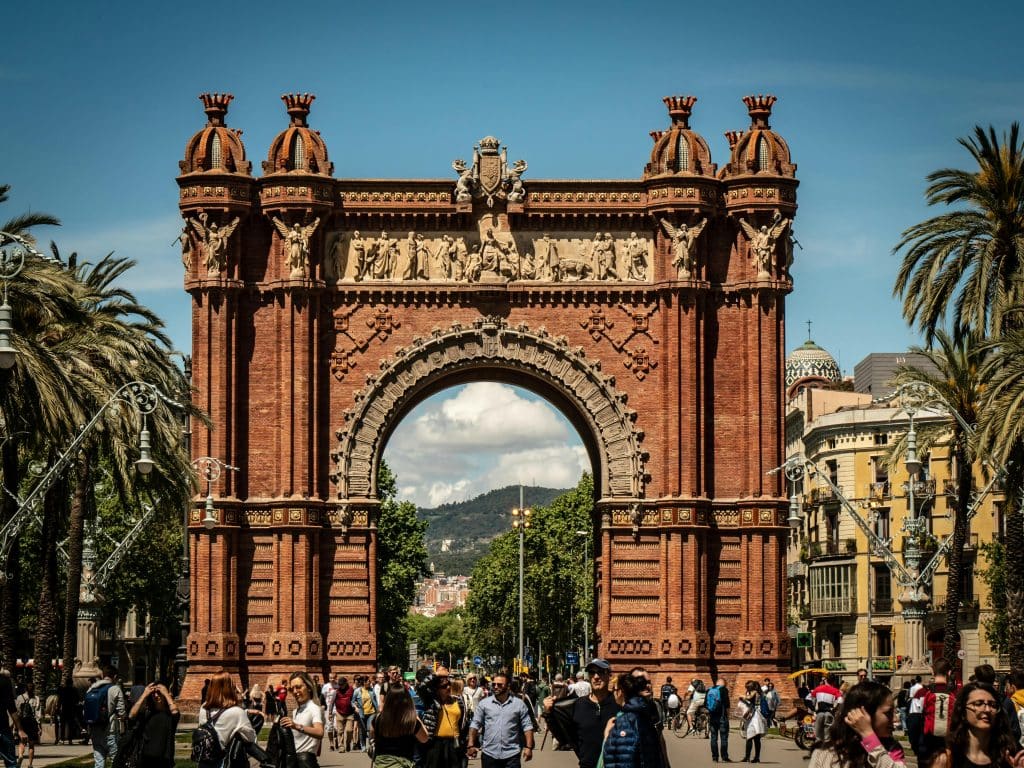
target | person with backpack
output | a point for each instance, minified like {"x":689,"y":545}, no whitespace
{"x":937,"y":702}
{"x":978,"y":733}
{"x":10,"y":721}
{"x":753,"y":724}
{"x":717,"y":704}
{"x":104,"y":712}
{"x":631,"y":739}
{"x":30,"y":709}
{"x":222,"y":721}
{"x":669,"y":698}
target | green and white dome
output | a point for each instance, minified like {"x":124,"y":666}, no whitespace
{"x":811,"y":363}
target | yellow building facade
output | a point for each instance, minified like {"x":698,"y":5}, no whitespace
{"x":842,"y":597}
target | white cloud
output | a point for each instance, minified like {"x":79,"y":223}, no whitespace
{"x":486,"y":435}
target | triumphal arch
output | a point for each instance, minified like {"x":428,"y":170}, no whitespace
{"x":650,"y":311}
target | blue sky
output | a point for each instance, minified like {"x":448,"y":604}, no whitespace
{"x":101,"y":98}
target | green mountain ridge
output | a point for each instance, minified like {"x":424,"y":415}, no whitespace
{"x":470,"y":526}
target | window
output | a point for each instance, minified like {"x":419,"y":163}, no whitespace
{"x":883,"y":641}
{"x":882,"y":521}
{"x":881,"y":438}
{"x":831,"y":443}
{"x":763,"y":154}
{"x":831,"y":590}
{"x":682,"y":153}
{"x":967,"y":579}
{"x":298,"y":152}
{"x":832,"y":467}
{"x":216,"y":160}
{"x":883,"y":588}
{"x":997,"y":510}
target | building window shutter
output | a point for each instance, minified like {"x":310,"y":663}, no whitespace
{"x":682,"y":153}
{"x":298,"y":153}
{"x":216,"y":158}
{"x":763,"y":154}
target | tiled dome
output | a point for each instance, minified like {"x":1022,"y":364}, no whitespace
{"x":759,"y":149}
{"x":216,"y":148}
{"x":811,"y":362}
{"x":298,"y":148}
{"x":679,"y":150}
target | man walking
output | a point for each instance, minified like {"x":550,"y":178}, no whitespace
{"x":104,"y":713}
{"x":582,"y":720}
{"x":716,"y":701}
{"x":507,"y":728}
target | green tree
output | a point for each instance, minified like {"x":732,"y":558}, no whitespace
{"x":967,"y":265}
{"x":442,"y":637}
{"x":401,"y":561}
{"x":959,"y":383}
{"x":558,"y":580}
{"x":994,"y":575}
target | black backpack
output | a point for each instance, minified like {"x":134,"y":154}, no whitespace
{"x":206,"y":746}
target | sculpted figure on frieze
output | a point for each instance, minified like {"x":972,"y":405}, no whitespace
{"x":490,"y":177}
{"x":603,"y":253}
{"x":636,"y":257}
{"x":385,"y":257}
{"x":545,"y":258}
{"x":215,"y":242}
{"x":335,"y":261}
{"x":684,"y":246}
{"x":296,"y":242}
{"x":185,"y":238}
{"x":762,"y":242}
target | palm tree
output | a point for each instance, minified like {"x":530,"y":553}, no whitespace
{"x":970,"y":258}
{"x":958,"y":381}
{"x":21,"y":224}
{"x":1003,"y":428}
{"x":969,"y":263}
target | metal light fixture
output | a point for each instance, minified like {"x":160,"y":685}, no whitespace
{"x":795,"y":508}
{"x":912,"y":461}
{"x":8,"y":354}
{"x":145,"y":463}
{"x":210,"y":518}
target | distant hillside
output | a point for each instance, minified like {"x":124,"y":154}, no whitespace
{"x":469,"y":526}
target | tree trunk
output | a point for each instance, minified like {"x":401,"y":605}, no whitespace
{"x":1014,"y":573}
{"x":76,"y":536}
{"x":45,"y":638}
{"x":961,"y":528}
{"x":11,"y":610}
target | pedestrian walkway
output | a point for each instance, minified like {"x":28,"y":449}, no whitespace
{"x":48,"y":753}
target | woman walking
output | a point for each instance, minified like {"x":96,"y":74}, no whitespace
{"x":861,"y":735}
{"x":306,"y":720}
{"x":222,"y":710}
{"x":979,"y":733}
{"x":753,"y":724}
{"x":396,"y":730}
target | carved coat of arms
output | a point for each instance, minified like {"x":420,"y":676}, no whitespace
{"x":490,"y":176}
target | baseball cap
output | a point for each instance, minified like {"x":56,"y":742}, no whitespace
{"x":598,"y":665}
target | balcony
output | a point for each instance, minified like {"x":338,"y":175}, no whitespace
{"x":880,"y":491}
{"x":922,"y":488}
{"x":822,"y":495}
{"x":835,"y":605}
{"x":832,"y":589}
{"x":882,"y":605}
{"x":949,"y":487}
{"x":796,"y":570}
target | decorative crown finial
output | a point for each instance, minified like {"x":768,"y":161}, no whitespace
{"x":760,"y":109}
{"x":679,"y":109}
{"x":733,"y":138}
{"x":298,"y":106}
{"x":216,"y":106}
{"x":489,"y":145}
{"x":656,"y":135}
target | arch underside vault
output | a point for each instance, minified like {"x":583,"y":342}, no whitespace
{"x":490,"y":343}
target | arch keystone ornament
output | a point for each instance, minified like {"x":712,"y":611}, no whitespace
{"x":325,"y":309}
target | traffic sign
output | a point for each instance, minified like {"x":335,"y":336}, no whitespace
{"x":572,"y":658}
{"x":478,"y":660}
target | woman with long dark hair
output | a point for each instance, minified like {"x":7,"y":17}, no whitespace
{"x":861,"y":734}
{"x":156,"y":716}
{"x":396,"y":730}
{"x":630,"y":738}
{"x":979,"y":733}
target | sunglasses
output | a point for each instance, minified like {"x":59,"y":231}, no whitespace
{"x":296,"y":688}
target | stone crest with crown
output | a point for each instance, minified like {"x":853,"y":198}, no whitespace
{"x":490,"y":177}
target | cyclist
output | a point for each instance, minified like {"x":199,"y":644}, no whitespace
{"x":669,"y":699}
{"x":697,"y":692}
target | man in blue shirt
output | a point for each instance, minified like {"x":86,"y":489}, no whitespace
{"x":507,"y":728}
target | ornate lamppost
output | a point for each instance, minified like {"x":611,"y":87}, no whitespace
{"x":520,"y":522}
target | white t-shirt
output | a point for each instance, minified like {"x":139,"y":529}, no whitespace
{"x":231,"y":721}
{"x":330,"y":693}
{"x":696,"y":697}
{"x":581,"y":688}
{"x":305,"y":715}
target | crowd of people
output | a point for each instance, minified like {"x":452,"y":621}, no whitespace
{"x":439,"y":720}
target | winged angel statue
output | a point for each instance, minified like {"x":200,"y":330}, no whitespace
{"x":296,"y":241}
{"x":762,"y":242}
{"x":684,"y":242}
{"x":215,"y":242}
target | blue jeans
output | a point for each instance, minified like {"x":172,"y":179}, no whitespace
{"x":104,"y":745}
{"x":719,"y":731}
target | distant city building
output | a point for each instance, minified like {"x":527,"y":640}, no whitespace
{"x":811,"y":366}
{"x":440,"y":594}
{"x":874,"y":374}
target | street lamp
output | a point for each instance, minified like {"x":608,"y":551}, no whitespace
{"x":12,"y":258}
{"x":210,"y":469}
{"x":794,"y":473}
{"x":586,"y":591}
{"x":184,"y":580}
{"x":520,"y":522}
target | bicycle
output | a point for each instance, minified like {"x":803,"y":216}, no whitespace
{"x":701,"y":724}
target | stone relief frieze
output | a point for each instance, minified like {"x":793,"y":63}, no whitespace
{"x":488,"y":255}
{"x":491,"y":342}
{"x":490,"y":177}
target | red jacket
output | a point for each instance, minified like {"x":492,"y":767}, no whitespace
{"x":927,"y":693}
